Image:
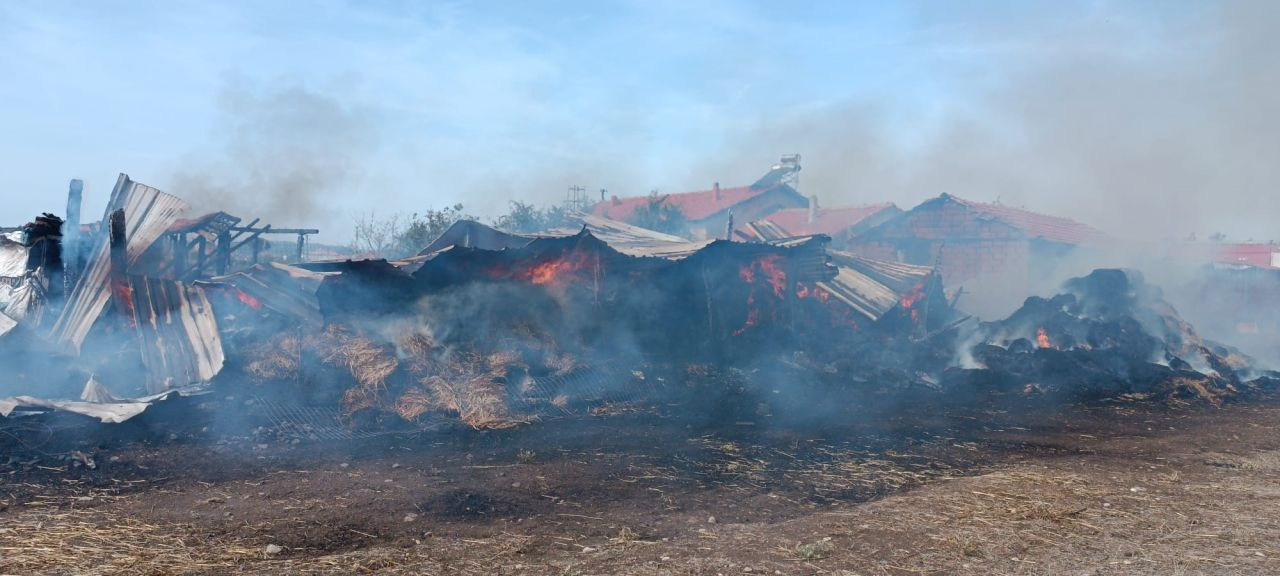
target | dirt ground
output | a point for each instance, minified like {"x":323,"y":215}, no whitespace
{"x":1111,"y":488}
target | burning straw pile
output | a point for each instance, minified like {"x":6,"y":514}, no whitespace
{"x":1108,"y":334}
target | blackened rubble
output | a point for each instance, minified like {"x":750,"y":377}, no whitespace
{"x":1109,"y":333}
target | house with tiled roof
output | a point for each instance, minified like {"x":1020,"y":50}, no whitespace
{"x":975,"y":242}
{"x":1251,"y":254}
{"x":707,"y":211}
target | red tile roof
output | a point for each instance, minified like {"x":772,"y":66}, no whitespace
{"x":1036,"y":225}
{"x":1260,"y":255}
{"x":695,"y":205}
{"x":830,"y":221}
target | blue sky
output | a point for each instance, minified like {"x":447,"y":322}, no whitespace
{"x":314,"y":112}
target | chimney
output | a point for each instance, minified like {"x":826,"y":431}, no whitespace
{"x":813,"y":209}
{"x":715,"y":191}
{"x":615,"y":200}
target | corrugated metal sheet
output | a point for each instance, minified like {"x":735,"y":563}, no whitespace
{"x":898,"y":276}
{"x":287,"y":290}
{"x":24,"y":300}
{"x":13,"y":256}
{"x":178,"y":333}
{"x":623,"y":237}
{"x":634,"y":240}
{"x":148,"y":214}
{"x":766,"y":231}
{"x":872,"y":287}
{"x":7,"y":324}
{"x":107,"y":412}
{"x":472,"y":234}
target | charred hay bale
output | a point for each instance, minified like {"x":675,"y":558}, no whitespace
{"x":414,"y":403}
{"x":369,"y":363}
{"x":277,"y":359}
{"x":478,"y":402}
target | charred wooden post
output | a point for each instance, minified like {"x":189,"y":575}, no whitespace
{"x":181,"y":248}
{"x":302,"y":239}
{"x":118,"y":275}
{"x":72,"y":261}
{"x":257,"y":249}
{"x":202,"y":255}
{"x":44,"y":257}
{"x":222,"y":260}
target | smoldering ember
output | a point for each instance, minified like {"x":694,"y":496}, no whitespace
{"x":730,"y":380}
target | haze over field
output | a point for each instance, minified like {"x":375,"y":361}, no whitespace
{"x":1148,"y":119}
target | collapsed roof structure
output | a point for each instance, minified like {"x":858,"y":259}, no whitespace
{"x":728,"y":297}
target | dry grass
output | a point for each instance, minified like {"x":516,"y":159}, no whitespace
{"x":66,"y":540}
{"x":1124,"y":505}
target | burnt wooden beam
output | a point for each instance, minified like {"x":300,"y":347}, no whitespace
{"x":222,"y":258}
{"x":118,"y":275}
{"x":300,"y":231}
{"x":71,"y":260}
{"x":202,"y":255}
{"x":252,"y":236}
{"x":181,"y":252}
{"x":242,"y":229}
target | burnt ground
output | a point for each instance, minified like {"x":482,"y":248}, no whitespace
{"x":1106,"y":488}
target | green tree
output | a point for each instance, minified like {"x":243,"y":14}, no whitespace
{"x":423,"y":229}
{"x":658,"y":214}
{"x":523,"y":218}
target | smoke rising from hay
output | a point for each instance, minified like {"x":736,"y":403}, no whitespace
{"x":1142,"y":127}
{"x":285,"y":155}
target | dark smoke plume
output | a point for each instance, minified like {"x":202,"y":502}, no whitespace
{"x":286,"y":154}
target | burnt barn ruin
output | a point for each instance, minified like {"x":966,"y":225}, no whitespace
{"x":496,"y":329}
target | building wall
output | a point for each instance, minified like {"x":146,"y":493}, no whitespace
{"x":963,"y":243}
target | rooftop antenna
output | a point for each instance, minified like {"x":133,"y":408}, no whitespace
{"x":576,"y":199}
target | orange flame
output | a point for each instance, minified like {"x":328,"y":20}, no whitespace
{"x":775,"y":275}
{"x":766,"y":265}
{"x":558,"y":271}
{"x":753,"y":318}
{"x":548,"y":272}
{"x":910,"y":298}
{"x":803,"y":291}
{"x":1042,"y":339}
{"x":248,"y":300}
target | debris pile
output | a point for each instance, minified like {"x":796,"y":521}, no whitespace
{"x":1109,"y":333}
{"x":495,"y":329}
